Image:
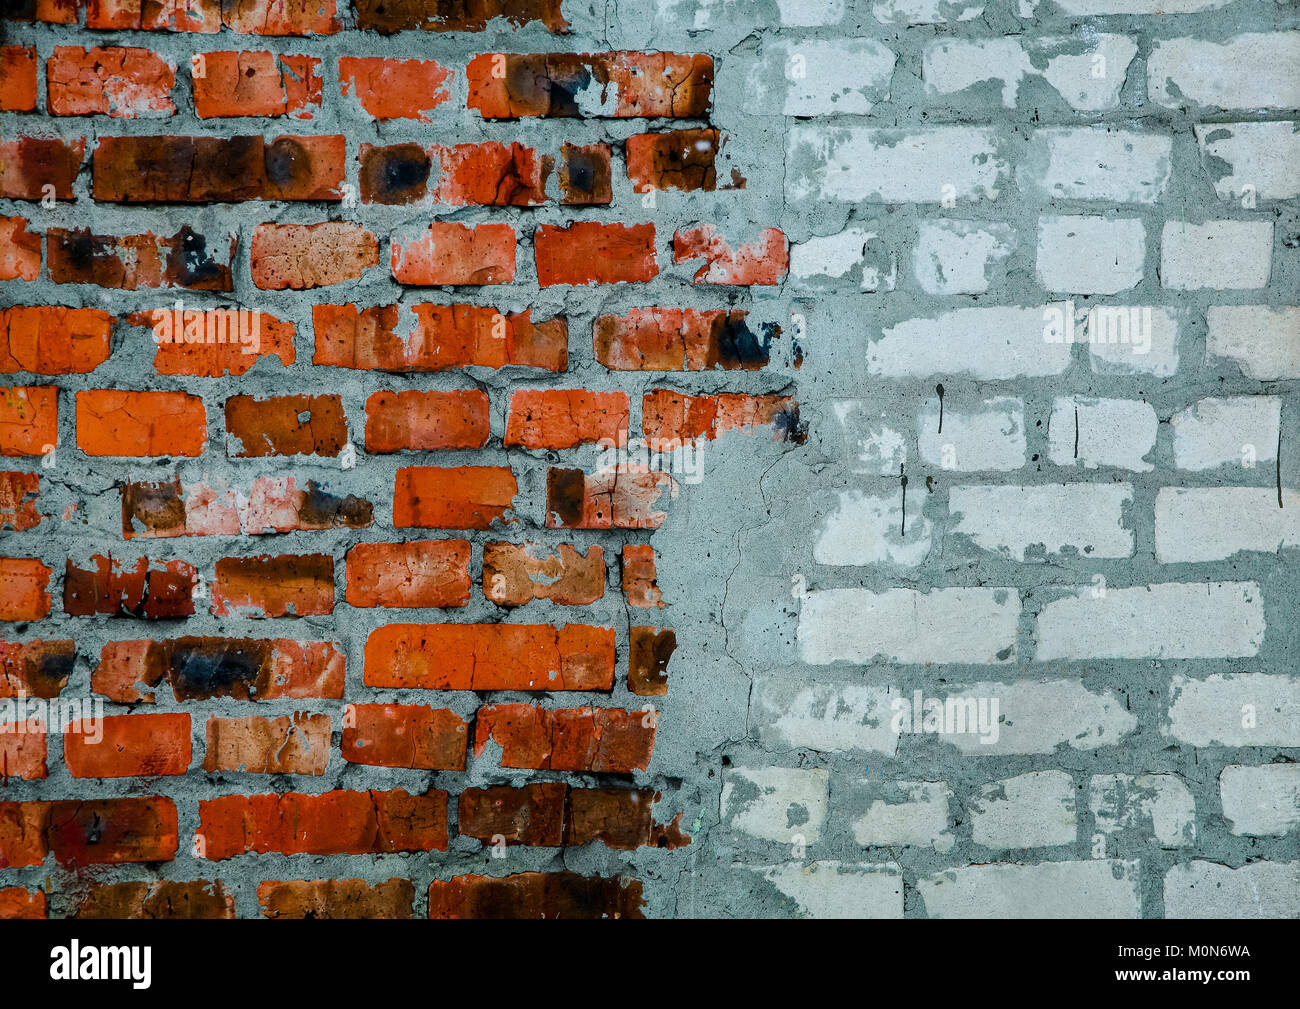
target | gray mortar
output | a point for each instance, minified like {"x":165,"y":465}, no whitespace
{"x":731,"y":544}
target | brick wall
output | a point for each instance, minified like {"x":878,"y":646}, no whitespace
{"x":964,"y":341}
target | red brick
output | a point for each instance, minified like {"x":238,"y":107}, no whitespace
{"x":256,"y":428}
{"x":565,"y":418}
{"x":302,"y":256}
{"x":617,"y":498}
{"x":35,"y":668}
{"x":285,"y":17}
{"x":22,"y":750}
{"x":426,"y":421}
{"x":207,"y":668}
{"x":490,"y":657}
{"x":60,"y":12}
{"x":219,"y":341}
{"x":24,"y":588}
{"x":24,"y":833}
{"x":765,"y":261}
{"x":336,"y":898}
{"x":640,"y":584}
{"x":536,"y":895}
{"x":394,"y":174}
{"x":112,"y":831}
{"x":137,"y":589}
{"x":128,"y":746}
{"x":159,"y":899}
{"x":17,"y":78}
{"x":16,"y":903}
{"x":115,"y":422}
{"x":588,"y":252}
{"x":48,"y":340}
{"x":671,"y":419}
{"x":218,"y":169}
{"x":247,"y":17}
{"x":432,"y":573}
{"x":108,"y":80}
{"x":29,"y":420}
{"x":453,"y":497}
{"x":284,"y":585}
{"x":193,"y":16}
{"x":552,"y":815}
{"x":255,"y":83}
{"x":268,"y":505}
{"x":649,"y":650}
{"x":680,"y":339}
{"x":18,"y":495}
{"x":20,"y":250}
{"x":514,"y":574}
{"x":347,"y":823}
{"x":30,"y":164}
{"x":405,"y":735}
{"x":492,"y":174}
{"x":255,"y":745}
{"x":585,"y":177}
{"x":567,"y":739}
{"x":444,"y":337}
{"x":510,"y":86}
{"x":185,"y":260}
{"x":394,"y":89}
{"x":451,"y":254}
{"x":682,"y":159}
{"x":387,"y":16}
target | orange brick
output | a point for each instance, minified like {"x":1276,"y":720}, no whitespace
{"x":426,"y":421}
{"x":336,"y":898}
{"x":255,"y":83}
{"x":128,"y":746}
{"x":18,"y":494}
{"x":20,"y":250}
{"x":35,"y":668}
{"x":257,"y":745}
{"x":640,"y":585}
{"x":514,"y":574}
{"x":671,"y":419}
{"x":114,"y":422}
{"x":232,"y":340}
{"x":285,"y":425}
{"x":139,"y":589}
{"x":617,"y":498}
{"x":405,"y":735}
{"x":680,"y":339}
{"x":649,"y":650}
{"x":492,"y":174}
{"x":160,"y":899}
{"x":284,"y":585}
{"x":33,"y":167}
{"x":24,"y":588}
{"x":302,"y":256}
{"x":490,"y":657}
{"x":22,"y":751}
{"x":567,"y":739}
{"x":17,"y":78}
{"x":120,"y":82}
{"x":589,"y":252}
{"x":432,"y":573}
{"x":454,"y":497}
{"x":394,"y":89}
{"x":29,"y":420}
{"x":47,"y":340}
{"x":765,"y":261}
{"x":457,"y":254}
{"x":681,"y":159}
{"x":565,"y":418}
{"x":16,"y":903}
{"x":186,"y":260}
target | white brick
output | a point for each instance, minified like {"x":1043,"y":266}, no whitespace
{"x":949,"y":66}
{"x":1251,"y":71}
{"x":1235,"y":709}
{"x":864,"y":164}
{"x":990,"y":437}
{"x":1034,"y":810}
{"x":1223,"y":255}
{"x":956,"y":257}
{"x":1264,"y":341}
{"x":1079,"y":519}
{"x":1036,"y":717}
{"x":1155,"y":806}
{"x":871,"y":443}
{"x":1261,"y":801}
{"x":854,"y":259}
{"x":903,"y":625}
{"x":1102,"y":432}
{"x":925,"y":12}
{"x":1096,"y":163}
{"x":920,"y":819}
{"x":810,"y":13}
{"x":829,"y":889}
{"x":1167,"y":621}
{"x":1098,"y":888}
{"x":866,"y":529}
{"x":813,"y":78}
{"x":781,"y":804}
{"x":1090,"y":255}
{"x":1195,"y":524}
{"x":787,"y":714}
{"x":1264,"y":156}
{"x":1239,"y":432}
{"x":992,"y":343}
{"x":1208,"y":890}
{"x":1152,"y":346}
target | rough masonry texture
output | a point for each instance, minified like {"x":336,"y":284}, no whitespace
{"x":649,"y":458}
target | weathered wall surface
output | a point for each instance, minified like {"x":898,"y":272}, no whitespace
{"x":975,"y":330}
